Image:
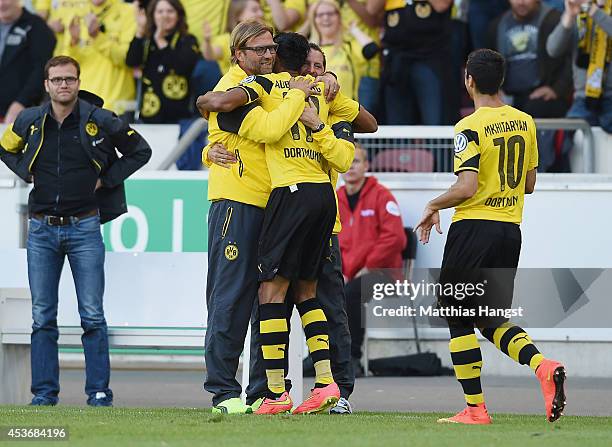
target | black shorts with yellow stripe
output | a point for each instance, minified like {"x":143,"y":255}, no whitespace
{"x":478,"y":270}
{"x":298,"y":223}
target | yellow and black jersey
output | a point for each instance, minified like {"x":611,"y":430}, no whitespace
{"x":247,"y":181}
{"x":499,"y":143}
{"x":212,"y":11}
{"x":297,"y":157}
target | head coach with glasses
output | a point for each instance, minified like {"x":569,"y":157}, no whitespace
{"x":67,"y":149}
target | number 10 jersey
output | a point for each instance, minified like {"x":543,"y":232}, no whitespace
{"x":499,"y":143}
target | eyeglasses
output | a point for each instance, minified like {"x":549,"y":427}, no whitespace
{"x":70,"y":80}
{"x":321,"y":15}
{"x":260,"y":51}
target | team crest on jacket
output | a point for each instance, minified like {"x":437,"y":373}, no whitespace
{"x":231,"y":252}
{"x":91,"y":129}
{"x":422,"y":10}
{"x":393,"y":19}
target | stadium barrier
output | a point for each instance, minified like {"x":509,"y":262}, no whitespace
{"x":154,"y":305}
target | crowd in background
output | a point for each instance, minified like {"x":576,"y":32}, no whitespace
{"x":401,"y":59}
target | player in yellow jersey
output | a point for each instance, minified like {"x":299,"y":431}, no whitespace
{"x":238,"y":196}
{"x":298,"y":221}
{"x":330,"y":283}
{"x":496,"y":157}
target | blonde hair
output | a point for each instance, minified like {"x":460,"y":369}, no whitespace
{"x":245,"y":31}
{"x":315,"y":36}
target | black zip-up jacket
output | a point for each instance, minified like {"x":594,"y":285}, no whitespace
{"x":166,"y":90}
{"x":30,"y":44}
{"x":101,"y":132}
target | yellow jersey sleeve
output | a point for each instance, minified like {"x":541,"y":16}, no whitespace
{"x":337,"y":149}
{"x":533,"y":149}
{"x":251,"y":121}
{"x":466,"y":150}
{"x":344,"y":108}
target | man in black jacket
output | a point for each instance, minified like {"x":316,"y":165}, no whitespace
{"x":67,"y":149}
{"x":26,"y":43}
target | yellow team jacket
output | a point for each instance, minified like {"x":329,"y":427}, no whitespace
{"x":247,"y":181}
{"x":102,"y":59}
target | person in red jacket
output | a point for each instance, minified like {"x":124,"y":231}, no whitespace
{"x":372,"y":240}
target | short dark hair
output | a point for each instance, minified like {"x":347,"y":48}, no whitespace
{"x":314,"y":46}
{"x":292,"y":50}
{"x":62,"y":60}
{"x":487,"y":67}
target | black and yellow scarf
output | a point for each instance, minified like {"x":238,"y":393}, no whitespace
{"x":594,"y":53}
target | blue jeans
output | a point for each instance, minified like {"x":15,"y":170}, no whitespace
{"x":47,"y":247}
{"x":369,"y":93}
{"x":416,"y":98}
{"x":191,"y":159}
{"x":601,"y":117}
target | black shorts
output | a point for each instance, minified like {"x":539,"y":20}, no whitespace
{"x":296,"y":231}
{"x":483,"y":253}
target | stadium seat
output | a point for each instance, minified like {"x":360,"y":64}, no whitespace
{"x":408,"y":256}
{"x":403,"y":160}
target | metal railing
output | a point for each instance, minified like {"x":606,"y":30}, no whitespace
{"x":414,"y":148}
{"x":430,"y":148}
{"x":196,"y":128}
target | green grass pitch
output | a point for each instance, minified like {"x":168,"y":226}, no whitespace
{"x":116,"y":427}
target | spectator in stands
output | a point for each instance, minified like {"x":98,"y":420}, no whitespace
{"x":355,"y":12}
{"x":59,"y":14}
{"x":372,"y":239}
{"x":166,"y":54}
{"x":416,"y":43}
{"x":539,"y":84}
{"x":217,"y":48}
{"x":480,"y":15}
{"x":585,"y":31}
{"x":203,"y":14}
{"x":26,"y":43}
{"x":100,"y":41}
{"x":73,"y":194}
{"x":346,"y":56}
{"x":284,"y":15}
